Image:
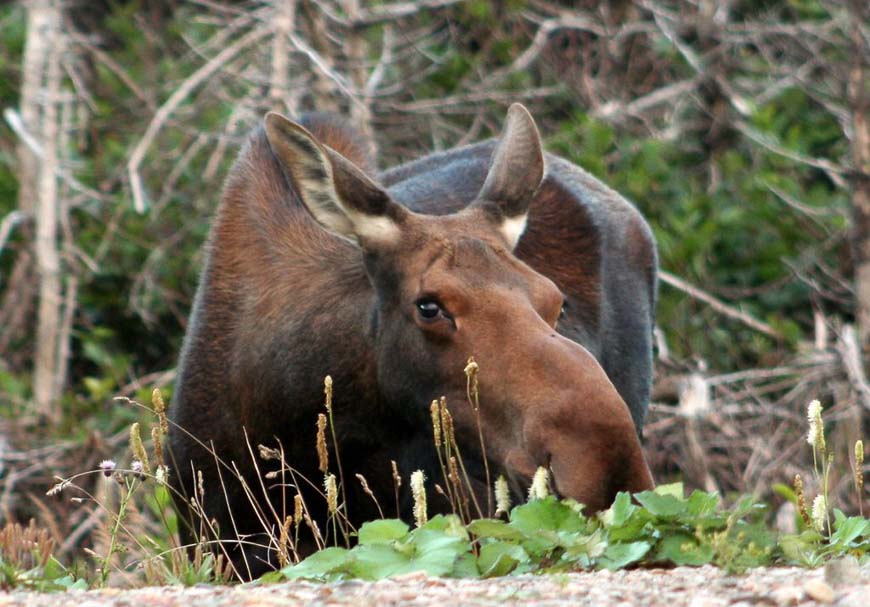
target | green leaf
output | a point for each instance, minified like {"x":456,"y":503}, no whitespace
{"x":674,"y":489}
{"x":321,"y":564}
{"x":382,"y":531}
{"x":500,"y":558}
{"x":683,"y":549}
{"x":617,"y":556}
{"x":619,"y":512}
{"x":494,"y":528}
{"x":662,"y":505}
{"x":702,"y":503}
{"x":847,"y":530}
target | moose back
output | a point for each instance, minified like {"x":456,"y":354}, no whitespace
{"x":316,"y":265}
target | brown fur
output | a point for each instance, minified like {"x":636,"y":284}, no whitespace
{"x":283,"y":302}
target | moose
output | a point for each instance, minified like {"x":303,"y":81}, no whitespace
{"x":317,"y":265}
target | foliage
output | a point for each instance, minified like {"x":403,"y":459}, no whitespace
{"x":661,"y":527}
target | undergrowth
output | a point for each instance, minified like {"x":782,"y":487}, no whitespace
{"x":662,"y":527}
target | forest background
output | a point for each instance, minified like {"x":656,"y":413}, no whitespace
{"x":738,"y":127}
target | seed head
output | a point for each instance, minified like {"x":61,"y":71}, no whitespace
{"x":327,"y":390}
{"x":802,"y":500}
{"x":297,"y":509}
{"x":138,"y":448}
{"x":331,"y":493}
{"x":436,"y":423}
{"x":820,"y":511}
{"x":859,"y":454}
{"x":418,"y":492}
{"x":160,"y":409}
{"x":540,"y":488}
{"x":397,"y":478}
{"x":816,"y":434}
{"x":322,"y":452}
{"x":502,"y":496}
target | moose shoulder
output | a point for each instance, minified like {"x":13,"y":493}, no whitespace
{"x":389,"y":284}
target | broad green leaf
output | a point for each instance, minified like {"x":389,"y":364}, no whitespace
{"x":673,"y":489}
{"x":662,"y":505}
{"x":320,"y":564}
{"x":494,"y":528}
{"x":702,"y":503}
{"x":683,"y":549}
{"x":847,"y":530}
{"x":500,"y":558}
{"x":382,"y":531}
{"x":617,"y":556}
{"x":619,"y":512}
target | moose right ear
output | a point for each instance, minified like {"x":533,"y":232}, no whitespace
{"x":340,"y":196}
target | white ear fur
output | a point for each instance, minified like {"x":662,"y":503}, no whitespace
{"x":513,"y":227}
{"x":315,"y":168}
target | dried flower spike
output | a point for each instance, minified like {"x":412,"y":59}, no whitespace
{"x":297,"y":509}
{"x":820,"y":512}
{"x":327,"y":390}
{"x":502,"y":496}
{"x":160,"y":409}
{"x":540,"y":484}
{"x":816,"y":434}
{"x":802,"y":500}
{"x":418,"y":491}
{"x":322,"y":452}
{"x":436,"y":423}
{"x":138,"y":448}
{"x":331,"y":493}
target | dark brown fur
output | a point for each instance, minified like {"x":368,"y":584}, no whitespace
{"x":284,"y":302}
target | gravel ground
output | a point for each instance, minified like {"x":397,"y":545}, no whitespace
{"x":843,"y":584}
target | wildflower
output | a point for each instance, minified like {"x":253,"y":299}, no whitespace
{"x":138,"y":448}
{"x":157,"y":441}
{"x":322,"y":452}
{"x":136,"y":469}
{"x":107,"y":466}
{"x":331,"y":493}
{"x":160,"y":409}
{"x":820,"y":512}
{"x":540,"y":484}
{"x":816,"y":434}
{"x":436,"y":423}
{"x":502,"y":496}
{"x":859,"y":474}
{"x":801,"y":499}
{"x":418,"y":491}
{"x":327,"y":390}
{"x":297,"y":510}
{"x":161,"y":474}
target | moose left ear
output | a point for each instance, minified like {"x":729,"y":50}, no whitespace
{"x":340,"y":196}
{"x":515,"y":174}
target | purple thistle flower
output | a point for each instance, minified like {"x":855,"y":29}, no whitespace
{"x":107,"y":466}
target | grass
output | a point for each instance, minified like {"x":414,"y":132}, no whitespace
{"x":662,"y":527}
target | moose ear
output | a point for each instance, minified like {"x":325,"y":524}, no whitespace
{"x":340,"y":196}
{"x":515,"y":174}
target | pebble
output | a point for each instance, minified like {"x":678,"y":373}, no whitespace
{"x":819,"y":590}
{"x":843,"y":572}
{"x":787,"y":595}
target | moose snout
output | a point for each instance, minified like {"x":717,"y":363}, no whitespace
{"x":581,"y":430}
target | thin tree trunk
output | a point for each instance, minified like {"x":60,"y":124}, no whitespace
{"x":17,"y":303}
{"x":859,"y":106}
{"x":360,"y":109}
{"x":46,"y":214}
{"x":279,"y":90}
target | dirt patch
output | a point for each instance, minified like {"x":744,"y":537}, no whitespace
{"x":683,"y":586}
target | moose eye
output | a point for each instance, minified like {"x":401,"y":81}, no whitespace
{"x":428,"y":309}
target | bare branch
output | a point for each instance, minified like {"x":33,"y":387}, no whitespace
{"x":180,"y":94}
{"x":720,"y":306}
